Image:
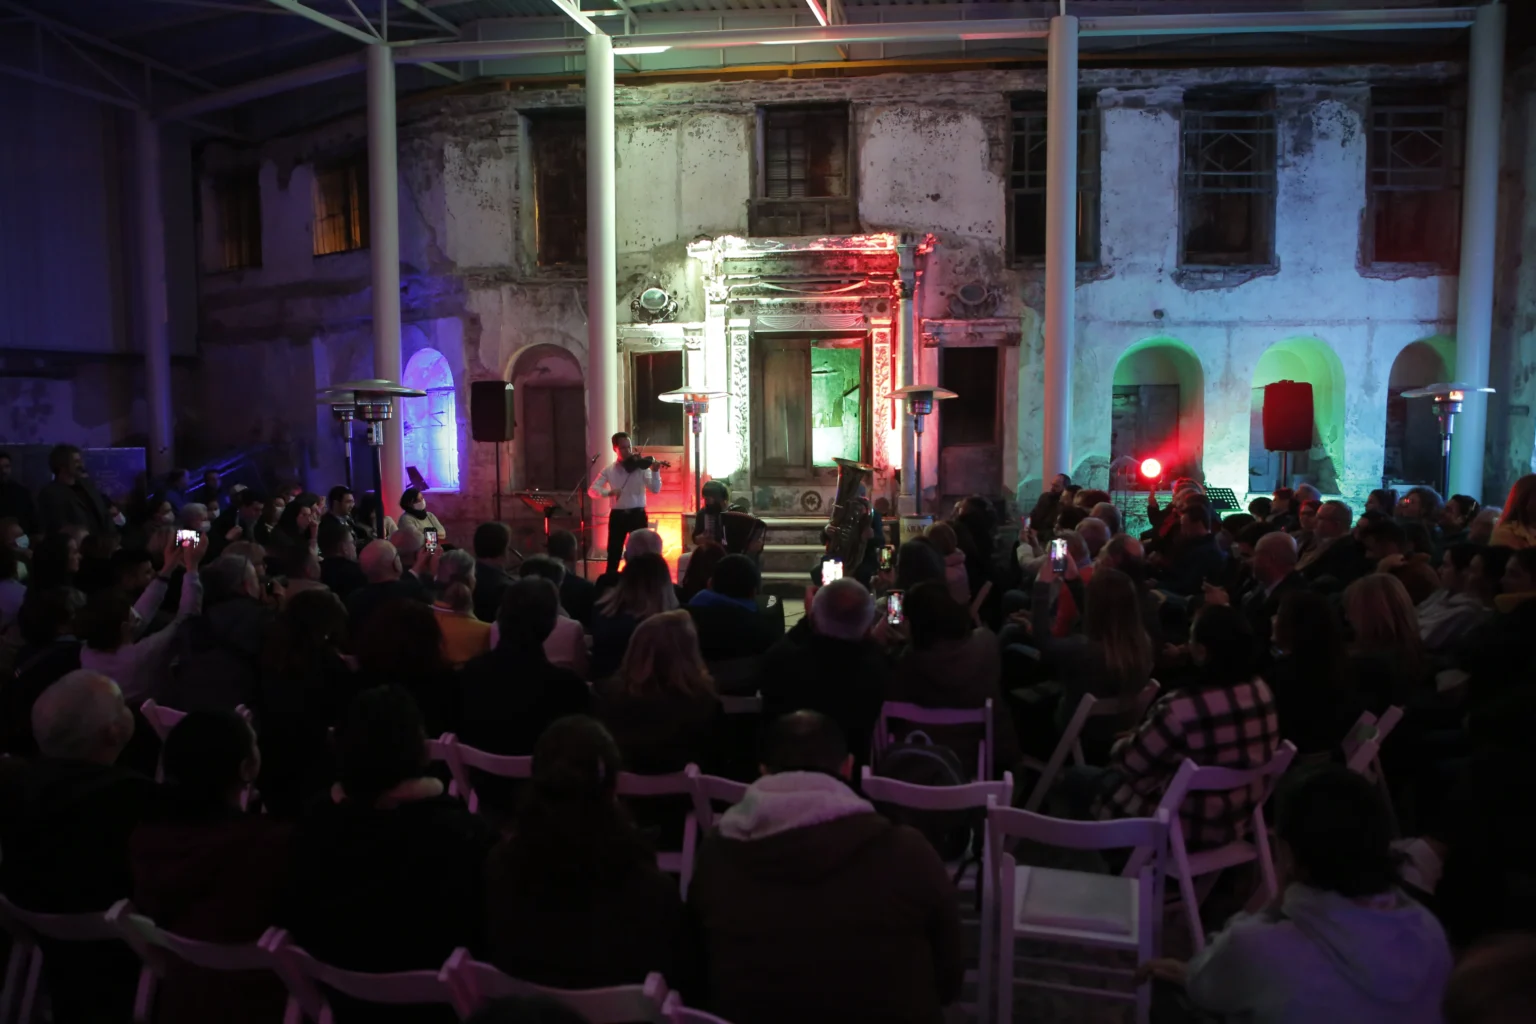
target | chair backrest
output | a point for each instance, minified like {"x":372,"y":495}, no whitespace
{"x":673,"y":784}
{"x":915,"y":714}
{"x":1008,"y":823}
{"x":709,"y":790}
{"x":752,"y":705}
{"x":677,"y":1013}
{"x":464,"y":761}
{"x":146,"y":937}
{"x":1362,"y":747}
{"x":1098,"y":707}
{"x":90,"y":926}
{"x":474,"y":983}
{"x":1192,"y":778}
{"x":161,"y":719}
{"x":304,"y":976}
{"x":935,"y":798}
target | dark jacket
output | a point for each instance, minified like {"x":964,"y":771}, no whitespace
{"x":844,"y":680}
{"x":78,"y":504}
{"x":1260,"y":608}
{"x":343,"y":575}
{"x":813,"y":908}
{"x":1343,"y":559}
{"x":577,"y":596}
{"x":367,"y":599}
{"x":610,"y":639}
{"x":1195,"y":560}
{"x":658,"y":735}
{"x":219,"y":662}
{"x":491,"y":582}
{"x":36,"y":669}
{"x":728,"y":629}
{"x":959,"y":674}
{"x":16,"y":503}
{"x":508,"y":696}
{"x":1314,"y":713}
{"x":216,"y":881}
{"x":388,"y":889}
{"x":297,"y":710}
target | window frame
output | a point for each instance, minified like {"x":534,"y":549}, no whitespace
{"x":1211,"y":112}
{"x":354,"y":170}
{"x":538,"y":123}
{"x":834,"y":212}
{"x":996,"y":438}
{"x":1442,"y":98}
{"x":1032,"y":108}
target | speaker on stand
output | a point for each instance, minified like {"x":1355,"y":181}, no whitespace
{"x":491,"y":421}
{"x":1287,"y":422}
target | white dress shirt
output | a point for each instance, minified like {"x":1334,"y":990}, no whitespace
{"x":625,"y":488}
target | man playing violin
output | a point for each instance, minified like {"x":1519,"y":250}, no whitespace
{"x":626,"y":482}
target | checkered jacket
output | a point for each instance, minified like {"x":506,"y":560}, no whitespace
{"x":1220,"y":727}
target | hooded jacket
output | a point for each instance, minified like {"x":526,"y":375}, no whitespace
{"x":1325,"y":957}
{"x":813,"y":908}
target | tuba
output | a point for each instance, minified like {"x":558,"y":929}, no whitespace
{"x":850,"y":515}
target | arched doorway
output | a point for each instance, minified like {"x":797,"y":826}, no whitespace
{"x":1159,"y":408}
{"x":1411,"y":448}
{"x":431,"y":425}
{"x":1314,"y":362}
{"x":550,"y":405}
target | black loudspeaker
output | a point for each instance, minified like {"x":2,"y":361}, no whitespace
{"x":1288,"y":416}
{"x":490,"y":410}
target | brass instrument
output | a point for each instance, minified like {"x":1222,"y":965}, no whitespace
{"x":850,"y":515}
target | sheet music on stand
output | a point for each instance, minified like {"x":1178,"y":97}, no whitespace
{"x":1223,"y":499}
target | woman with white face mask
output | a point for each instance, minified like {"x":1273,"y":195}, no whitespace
{"x":414,"y":514}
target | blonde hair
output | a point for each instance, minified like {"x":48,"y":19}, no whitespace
{"x":663,"y":658}
{"x":944,"y":538}
{"x":1383,"y":618}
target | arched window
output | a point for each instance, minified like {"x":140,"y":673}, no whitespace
{"x":1411,"y":451}
{"x":431,"y":426}
{"x":1159,"y":410}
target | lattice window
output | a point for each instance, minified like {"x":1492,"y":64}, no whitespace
{"x":805,"y":153}
{"x":1414,"y":177}
{"x":1026,"y":184}
{"x":341,"y":207}
{"x":559,"y":142}
{"x":237,"y":221}
{"x":1228,"y":192}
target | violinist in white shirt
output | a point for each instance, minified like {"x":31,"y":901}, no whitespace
{"x":626,"y":481}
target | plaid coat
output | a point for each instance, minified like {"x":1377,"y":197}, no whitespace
{"x":1218,"y":727}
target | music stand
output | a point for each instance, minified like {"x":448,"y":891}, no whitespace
{"x":1222,"y":499}
{"x":542,"y":503}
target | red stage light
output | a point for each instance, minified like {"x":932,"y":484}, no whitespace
{"x":1151,"y":469}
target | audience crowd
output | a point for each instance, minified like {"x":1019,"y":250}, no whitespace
{"x":317,"y":646}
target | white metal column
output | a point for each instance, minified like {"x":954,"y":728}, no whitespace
{"x":1060,"y":245}
{"x":910,"y":497}
{"x":152,"y":298}
{"x":602,"y":269}
{"x":1479,"y":238}
{"x":384,"y":240}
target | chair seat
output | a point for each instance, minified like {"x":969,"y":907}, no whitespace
{"x":1204,"y":862}
{"x":1068,"y":904}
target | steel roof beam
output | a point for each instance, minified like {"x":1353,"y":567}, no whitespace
{"x":294,"y":7}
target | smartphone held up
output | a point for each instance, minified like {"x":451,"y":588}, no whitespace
{"x":831,"y":569}
{"x":1059,"y":556}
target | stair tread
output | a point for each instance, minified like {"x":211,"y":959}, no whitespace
{"x":782,"y":574}
{"x":795,"y":547}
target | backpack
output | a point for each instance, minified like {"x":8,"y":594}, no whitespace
{"x":921,"y":762}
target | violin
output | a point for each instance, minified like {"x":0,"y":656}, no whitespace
{"x":635,"y":461}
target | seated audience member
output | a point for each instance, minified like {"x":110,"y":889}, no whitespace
{"x":708,"y":521}
{"x":644,"y":589}
{"x":802,"y":847}
{"x":1283,"y":505}
{"x":1517,"y":587}
{"x":1068,"y":615}
{"x":300,"y":522}
{"x":577,"y":593}
{"x":1224,"y":718}
{"x":401,"y":645}
{"x":219,"y":650}
{"x":1342,"y":942}
{"x":943,"y":538}
{"x":952,"y":663}
{"x":306,"y":687}
{"x":1195,"y":559}
{"x":491,"y":542}
{"x":1087,"y":498}
{"x":1494,"y":983}
{"x":1095,"y":534}
{"x":15,"y":500}
{"x":1261,"y":508}
{"x":566,"y":646}
{"x":1483,"y":525}
{"x":701,"y":565}
{"x":50,"y":649}
{"x":113,"y":629}
{"x":1517,"y":523}
{"x":12,"y":591}
{"x":976,"y":530}
{"x":509,"y":695}
{"x":418,"y":565}
{"x":271,"y":513}
{"x":238,"y":521}
{"x":1306,"y":522}
{"x":1334,"y":552}
{"x":1274,"y":576}
{"x":832,"y":666}
{"x":55,"y":561}
{"x":573,"y":896}
{"x":384,"y":569}
{"x":414,"y":514}
{"x":66,"y":841}
{"x":300,"y":571}
{"x":387,"y":875}
{"x":1421,"y":505}
{"x":1456,"y":518}
{"x":1108,"y":513}
{"x":340,"y":569}
{"x":661,"y":707}
{"x":1309,"y":676}
{"x":1386,"y":655}
{"x":1449,"y":612}
{"x":194,"y":515}
{"x":1388,"y":548}
{"x":729,"y":622}
{"x":340,"y":504}
{"x":1044,"y":512}
{"x":1382,"y":501}
{"x":464,"y":636}
{"x":370,"y":513}
{"x":205,"y":869}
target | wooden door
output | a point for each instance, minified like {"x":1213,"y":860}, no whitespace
{"x":554,"y":432}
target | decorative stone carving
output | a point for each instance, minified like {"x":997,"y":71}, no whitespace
{"x":740,"y":391}
{"x":974,"y":301}
{"x":882,"y":409}
{"x":811,"y":322}
{"x":653,"y":306}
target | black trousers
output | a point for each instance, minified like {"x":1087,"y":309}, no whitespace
{"x":621,"y":523}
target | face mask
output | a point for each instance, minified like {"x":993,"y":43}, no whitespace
{"x":421,"y":506}
{"x":119,"y":520}
{"x":23,"y":542}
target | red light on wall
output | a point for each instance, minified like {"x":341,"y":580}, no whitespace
{"x":1151,"y":469}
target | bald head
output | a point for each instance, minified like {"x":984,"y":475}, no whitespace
{"x":82,"y":717}
{"x":380,"y":561}
{"x":408,"y":543}
{"x":1095,"y":534}
{"x":1274,"y":557}
{"x":843,"y":610}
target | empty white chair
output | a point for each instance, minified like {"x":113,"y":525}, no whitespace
{"x":676,"y":1013}
{"x":157,"y":948}
{"x":474,"y":983}
{"x":918,"y":716}
{"x":676,"y":784}
{"x":24,"y":973}
{"x":1187,"y":866}
{"x":1070,"y":743}
{"x":709,"y":790}
{"x":464,"y":761}
{"x":308,"y":978}
{"x":1121,"y":912}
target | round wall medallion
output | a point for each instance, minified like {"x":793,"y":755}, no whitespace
{"x":811,"y":501}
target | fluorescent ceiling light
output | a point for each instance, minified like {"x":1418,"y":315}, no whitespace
{"x":603,"y":14}
{"x":634,"y":51}
{"x":821,"y":16}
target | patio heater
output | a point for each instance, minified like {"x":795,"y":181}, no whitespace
{"x":373,"y":402}
{"x":1447,"y":399}
{"x":344,"y":410}
{"x":695,"y":403}
{"x":919,"y":399}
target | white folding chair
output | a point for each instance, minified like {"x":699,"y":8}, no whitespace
{"x":24,"y":973}
{"x":918,"y":716}
{"x":1120,"y":912}
{"x":464,"y":761}
{"x":157,"y":948}
{"x":709,"y":790}
{"x":678,"y":862}
{"x":1186,"y":866}
{"x":752,"y":705}
{"x":1362,"y":747}
{"x":308,"y":978}
{"x":1070,"y":743}
{"x":975,"y":795}
{"x":474,"y":983}
{"x":676,"y":1013}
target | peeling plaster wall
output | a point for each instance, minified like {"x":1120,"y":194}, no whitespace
{"x":932,"y":156}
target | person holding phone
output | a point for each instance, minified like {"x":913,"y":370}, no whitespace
{"x":414,"y":514}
